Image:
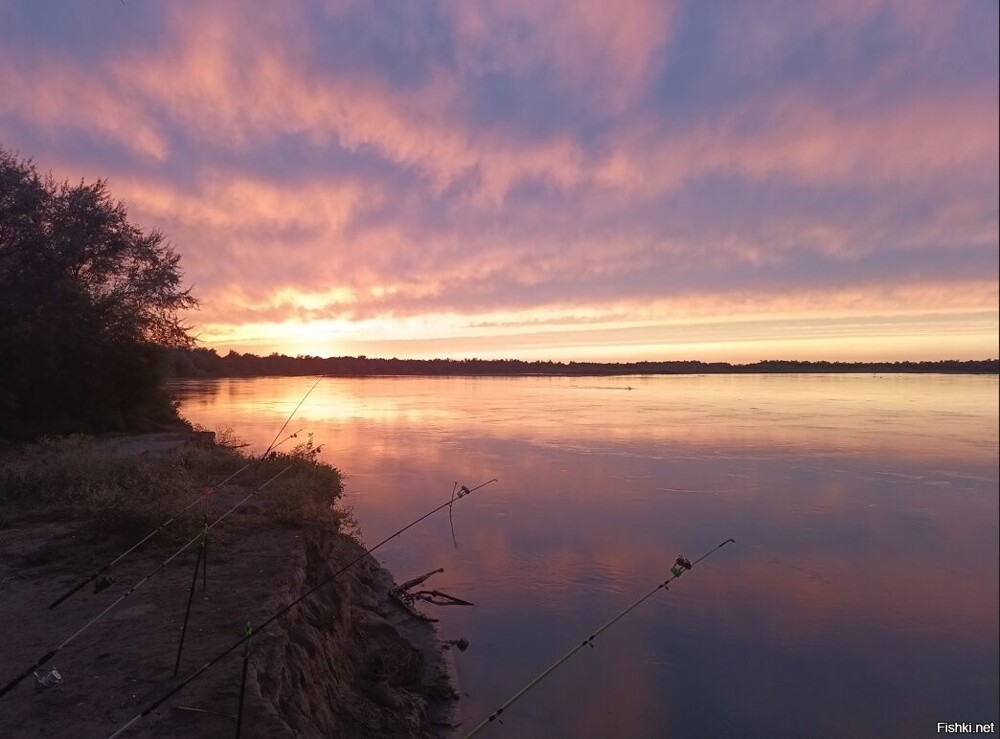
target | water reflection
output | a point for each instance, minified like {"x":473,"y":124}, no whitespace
{"x":860,"y":600}
{"x":894,"y":415}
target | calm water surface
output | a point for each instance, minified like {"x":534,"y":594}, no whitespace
{"x":859,"y":601}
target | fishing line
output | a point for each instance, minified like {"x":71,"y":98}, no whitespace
{"x":264,"y":624}
{"x":9,"y":686}
{"x":271,"y":447}
{"x":678,"y":569}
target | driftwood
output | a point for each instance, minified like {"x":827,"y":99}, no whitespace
{"x":440,"y":599}
{"x":410,"y":584}
{"x":407,"y":597}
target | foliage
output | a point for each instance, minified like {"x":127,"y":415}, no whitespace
{"x":203,"y":362}
{"x":88,"y":301}
{"x":307,"y":490}
{"x":125,"y":494}
{"x":77,"y":477}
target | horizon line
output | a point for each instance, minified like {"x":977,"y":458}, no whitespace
{"x":364,"y":357}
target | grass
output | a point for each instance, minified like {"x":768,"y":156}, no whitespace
{"x":123,"y":496}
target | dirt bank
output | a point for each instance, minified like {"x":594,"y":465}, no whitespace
{"x":348,"y":662}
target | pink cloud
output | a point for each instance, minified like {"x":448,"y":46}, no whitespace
{"x":55,"y":96}
{"x":415,"y":205}
{"x":603,"y":50}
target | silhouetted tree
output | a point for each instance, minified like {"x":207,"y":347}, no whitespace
{"x":87,"y":302}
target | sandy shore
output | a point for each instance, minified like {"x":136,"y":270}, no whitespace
{"x":347,"y":662}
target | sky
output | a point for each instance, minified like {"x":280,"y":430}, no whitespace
{"x":569,"y":179}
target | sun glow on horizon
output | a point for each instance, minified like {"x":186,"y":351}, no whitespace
{"x":749,"y":339}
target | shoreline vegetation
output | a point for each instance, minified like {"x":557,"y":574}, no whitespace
{"x":347,"y":661}
{"x":124,"y":485}
{"x":202,"y":362}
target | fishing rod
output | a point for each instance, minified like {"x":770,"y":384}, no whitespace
{"x":242,"y":641}
{"x":679,"y":568}
{"x":10,"y":686}
{"x":289,"y":419}
{"x":96,"y":574}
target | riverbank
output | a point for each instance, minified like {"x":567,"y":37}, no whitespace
{"x":348,"y":661}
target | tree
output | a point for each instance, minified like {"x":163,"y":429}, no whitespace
{"x":87,"y":303}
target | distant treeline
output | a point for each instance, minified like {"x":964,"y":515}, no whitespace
{"x":208,"y":363}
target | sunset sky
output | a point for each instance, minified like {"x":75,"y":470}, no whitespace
{"x":540,"y":180}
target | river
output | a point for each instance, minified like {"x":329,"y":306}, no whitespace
{"x":860,"y":597}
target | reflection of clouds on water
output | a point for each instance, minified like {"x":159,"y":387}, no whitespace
{"x":810,"y":415}
{"x":860,"y":596}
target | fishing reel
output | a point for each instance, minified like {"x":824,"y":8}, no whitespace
{"x":680,"y":566}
